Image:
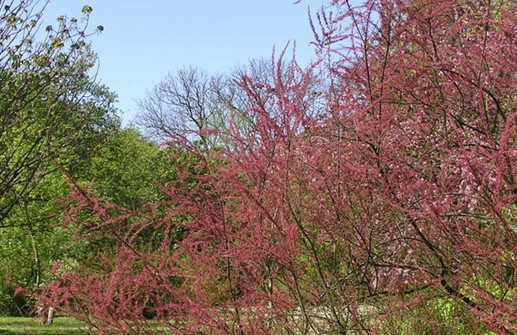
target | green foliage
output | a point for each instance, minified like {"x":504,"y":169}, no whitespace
{"x":86,"y":9}
{"x":121,"y":166}
{"x":31,"y":242}
{"x":50,"y":106}
{"x":437,"y":316}
{"x":128,"y":169}
{"x":52,"y":113}
{"x":13,"y":305}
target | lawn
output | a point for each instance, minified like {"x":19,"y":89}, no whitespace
{"x":26,"y":326}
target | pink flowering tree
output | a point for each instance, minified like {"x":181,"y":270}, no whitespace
{"x":391,"y":208}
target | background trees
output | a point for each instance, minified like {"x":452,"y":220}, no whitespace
{"x":52,"y":113}
{"x":391,"y":210}
{"x":46,"y":92}
{"x":128,"y":169}
{"x":196,"y":105}
{"x":184,"y":103}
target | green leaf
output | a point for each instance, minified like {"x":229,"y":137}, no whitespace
{"x":86,"y":9}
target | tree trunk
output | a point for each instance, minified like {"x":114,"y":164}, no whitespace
{"x":49,"y":317}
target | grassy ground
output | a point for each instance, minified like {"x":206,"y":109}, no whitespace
{"x":26,"y":326}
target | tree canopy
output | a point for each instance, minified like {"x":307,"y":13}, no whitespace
{"x":50,"y":105}
{"x":53,"y":114}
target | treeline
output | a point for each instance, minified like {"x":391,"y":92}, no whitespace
{"x":57,"y":126}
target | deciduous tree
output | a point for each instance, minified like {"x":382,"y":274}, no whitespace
{"x":196,"y":105}
{"x":52,"y":111}
{"x":48,"y":98}
{"x":391,"y":212}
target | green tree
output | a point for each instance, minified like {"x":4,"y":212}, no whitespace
{"x":128,"y":168}
{"x":52,"y":113}
{"x":48,"y":103}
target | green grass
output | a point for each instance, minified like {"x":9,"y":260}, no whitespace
{"x":26,"y":326}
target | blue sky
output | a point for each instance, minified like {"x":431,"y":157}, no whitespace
{"x":141,"y":42}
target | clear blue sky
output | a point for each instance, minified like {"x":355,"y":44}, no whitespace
{"x":142,"y":42}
